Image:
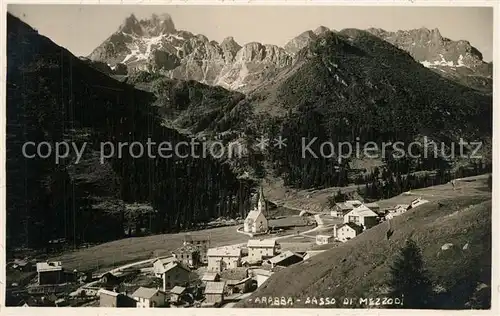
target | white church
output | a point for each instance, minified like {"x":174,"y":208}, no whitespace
{"x":256,"y":221}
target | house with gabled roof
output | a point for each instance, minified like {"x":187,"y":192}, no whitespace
{"x":348,"y":231}
{"x":363,"y":216}
{"x":160,"y":263}
{"x":340,"y":209}
{"x":222,"y":258}
{"x":285,"y":259}
{"x":149,"y":297}
{"x":210,"y":277}
{"x":214,"y":293}
{"x":188,"y":254}
{"x":259,"y":249}
{"x":175,"y":274}
{"x":176,"y":294}
{"x":114,"y":299}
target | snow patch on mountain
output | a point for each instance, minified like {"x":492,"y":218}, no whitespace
{"x":444,"y":63}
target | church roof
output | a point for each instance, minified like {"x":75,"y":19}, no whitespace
{"x":253,"y":215}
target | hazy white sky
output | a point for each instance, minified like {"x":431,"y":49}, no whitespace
{"x":81,"y":28}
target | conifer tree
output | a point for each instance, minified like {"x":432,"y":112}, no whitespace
{"x":409,"y":278}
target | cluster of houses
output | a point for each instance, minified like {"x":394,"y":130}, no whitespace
{"x":181,"y":281}
{"x":358,"y":217}
{"x":181,"y":284}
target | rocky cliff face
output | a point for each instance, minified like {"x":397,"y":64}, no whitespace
{"x":155,"y":44}
{"x":304,"y":39}
{"x":457,"y":60}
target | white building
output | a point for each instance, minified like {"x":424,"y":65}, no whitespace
{"x":259,"y":249}
{"x":397,"y":210}
{"x":323,"y":239}
{"x":340,"y":209}
{"x":160,"y":264}
{"x":256,"y":221}
{"x":222,"y":258}
{"x":348,"y":231}
{"x":149,"y":297}
{"x":363,"y":216}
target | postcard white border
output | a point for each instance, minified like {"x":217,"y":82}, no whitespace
{"x":495,"y":310}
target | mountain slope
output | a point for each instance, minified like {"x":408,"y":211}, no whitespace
{"x":54,"y":97}
{"x":359,"y":268}
{"x":457,"y":60}
{"x":342,"y":86}
{"x":352,"y":86}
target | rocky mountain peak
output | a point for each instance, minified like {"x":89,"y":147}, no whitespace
{"x":300,"y":41}
{"x":321,"y":29}
{"x":431,"y":48}
{"x":230,"y":48}
{"x":159,"y":24}
{"x":131,"y":26}
{"x":156,"y":25}
{"x":229,"y":41}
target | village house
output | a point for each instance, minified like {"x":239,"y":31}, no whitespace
{"x":202,"y":243}
{"x":324,"y":239}
{"x":259,"y":249}
{"x":109,"y":280}
{"x":210,"y":277}
{"x":188,"y":254}
{"x":222,"y":258}
{"x":114,"y":299}
{"x":396,"y":211}
{"x":214,"y":293}
{"x":50,"y":272}
{"x":176,"y":294}
{"x":175,"y":274}
{"x":196,"y":240}
{"x":348,"y":231}
{"x":363,"y":216}
{"x":149,"y":297}
{"x":261,"y":276}
{"x":340,"y":209}
{"x":159,"y":265}
{"x":285,"y":259}
{"x":256,"y":221}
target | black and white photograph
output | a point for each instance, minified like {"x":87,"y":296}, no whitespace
{"x":249,"y":156}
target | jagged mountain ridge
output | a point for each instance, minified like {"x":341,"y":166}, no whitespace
{"x":156,"y":45}
{"x":148,"y":45}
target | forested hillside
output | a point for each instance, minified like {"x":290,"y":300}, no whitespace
{"x":53,"y":96}
{"x":353,"y":87}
